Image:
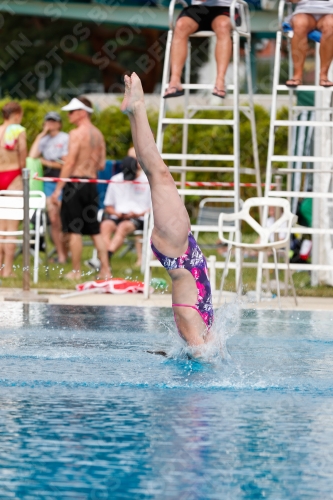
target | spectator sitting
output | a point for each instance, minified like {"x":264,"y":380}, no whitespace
{"x":310,"y":15}
{"x":51,"y":146}
{"x":13,"y":153}
{"x":125,"y":206}
{"x":211,"y":15}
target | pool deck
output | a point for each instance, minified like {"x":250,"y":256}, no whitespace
{"x":156,"y":300}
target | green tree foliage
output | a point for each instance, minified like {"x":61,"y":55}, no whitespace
{"x":202,"y":139}
{"x":51,"y":58}
{"x":69,"y":53}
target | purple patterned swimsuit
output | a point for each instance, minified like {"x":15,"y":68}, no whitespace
{"x":194,"y":261}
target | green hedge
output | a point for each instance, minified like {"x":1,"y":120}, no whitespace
{"x":214,"y":140}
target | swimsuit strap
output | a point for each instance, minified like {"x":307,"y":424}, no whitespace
{"x":196,"y":308}
{"x":185,"y":305}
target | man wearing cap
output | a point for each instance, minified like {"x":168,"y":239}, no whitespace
{"x":51,"y":147}
{"x":79,"y":208}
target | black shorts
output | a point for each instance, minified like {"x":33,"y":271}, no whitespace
{"x":204,"y":16}
{"x":79,"y":209}
{"x":138,"y":223}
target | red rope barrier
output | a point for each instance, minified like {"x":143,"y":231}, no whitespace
{"x":84,"y":181}
{"x":110,"y":181}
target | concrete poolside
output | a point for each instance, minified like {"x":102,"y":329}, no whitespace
{"x":56,"y":296}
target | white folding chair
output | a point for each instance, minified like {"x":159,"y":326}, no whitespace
{"x":11,"y":208}
{"x":208,"y":215}
{"x":264,"y":233}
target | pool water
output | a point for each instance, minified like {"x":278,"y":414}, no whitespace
{"x":87,"y":413}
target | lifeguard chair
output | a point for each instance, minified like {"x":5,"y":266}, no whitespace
{"x":293,"y":163}
{"x":220,"y":163}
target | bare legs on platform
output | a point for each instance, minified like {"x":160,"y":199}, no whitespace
{"x":185,"y":27}
{"x":302,"y":25}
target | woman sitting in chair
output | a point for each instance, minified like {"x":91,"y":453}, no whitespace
{"x":308,"y":16}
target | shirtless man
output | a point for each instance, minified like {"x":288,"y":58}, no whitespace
{"x":79,"y":208}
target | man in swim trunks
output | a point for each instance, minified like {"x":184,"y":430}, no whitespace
{"x":172,"y":241}
{"x":209,"y":15}
{"x":308,"y":16}
{"x":13,"y":153}
{"x":79,"y":208}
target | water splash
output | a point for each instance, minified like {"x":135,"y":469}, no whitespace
{"x":226,"y":324}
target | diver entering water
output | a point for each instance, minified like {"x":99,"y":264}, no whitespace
{"x":172,"y":241}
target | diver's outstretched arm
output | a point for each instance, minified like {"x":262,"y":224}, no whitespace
{"x":171,"y":221}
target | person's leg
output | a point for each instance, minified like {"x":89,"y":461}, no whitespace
{"x":222,"y":27}
{"x":171,"y":225}
{"x":302,"y":24}
{"x":53,"y":211}
{"x":2,"y":246}
{"x":123,"y":229}
{"x":9,"y":249}
{"x":185,"y":26}
{"x":107,"y":228}
{"x":75,"y":246}
{"x":103,"y":256}
{"x":138,"y":249}
{"x":325,"y":25}
{"x":11,"y":225}
{"x":171,"y":221}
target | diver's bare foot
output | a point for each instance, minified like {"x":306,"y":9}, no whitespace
{"x":73,"y":275}
{"x":133,"y":94}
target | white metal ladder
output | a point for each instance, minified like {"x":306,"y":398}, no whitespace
{"x":232,"y":160}
{"x":317,"y":160}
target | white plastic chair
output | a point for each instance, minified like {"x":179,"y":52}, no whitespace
{"x":264,"y":233}
{"x":11,"y":208}
{"x":209,"y":215}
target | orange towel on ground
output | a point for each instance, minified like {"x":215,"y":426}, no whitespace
{"x":113,"y":285}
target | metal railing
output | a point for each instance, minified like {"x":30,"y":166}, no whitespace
{"x":320,"y":124}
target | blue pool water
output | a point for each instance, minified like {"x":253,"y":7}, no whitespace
{"x":87,"y":413}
